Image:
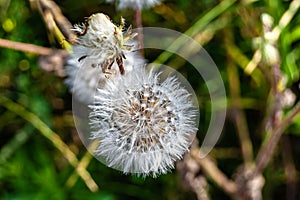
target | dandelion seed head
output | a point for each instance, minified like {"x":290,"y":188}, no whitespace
{"x":143,"y":125}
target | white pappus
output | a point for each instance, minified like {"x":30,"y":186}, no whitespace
{"x":143,"y":125}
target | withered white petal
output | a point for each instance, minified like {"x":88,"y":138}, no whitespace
{"x":100,"y":41}
{"x":99,"y":44}
{"x":84,"y":80}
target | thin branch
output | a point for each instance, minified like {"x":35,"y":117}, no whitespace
{"x":56,"y":22}
{"x":18,"y":140}
{"x":49,"y":60}
{"x":195,"y":29}
{"x":274,"y":119}
{"x":253,"y":63}
{"x":82,"y":165}
{"x":238,"y":114}
{"x":61,"y":21}
{"x":274,"y":34}
{"x":289,"y":168}
{"x":31,"y":48}
{"x":192,"y":177}
{"x":214,"y":172}
{"x":285,"y":19}
{"x":52,"y":136}
{"x":268,"y":149}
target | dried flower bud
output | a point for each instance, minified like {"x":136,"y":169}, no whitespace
{"x":100,"y":42}
{"x":99,"y":46}
{"x":143,"y":126}
{"x":288,"y":98}
{"x":271,"y":54}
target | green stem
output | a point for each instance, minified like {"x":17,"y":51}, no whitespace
{"x":50,"y":135}
{"x":198,"y":26}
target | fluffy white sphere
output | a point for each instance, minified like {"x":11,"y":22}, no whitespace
{"x":143,"y":125}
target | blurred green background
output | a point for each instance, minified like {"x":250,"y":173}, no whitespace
{"x":31,"y":163}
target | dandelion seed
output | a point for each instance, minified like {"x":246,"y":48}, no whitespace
{"x":143,"y":125}
{"x":135,"y":4}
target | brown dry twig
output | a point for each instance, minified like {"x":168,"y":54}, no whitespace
{"x":51,"y":60}
{"x":55,"y":21}
{"x":268,"y":149}
{"x":31,"y":48}
{"x":192,"y":177}
{"x":211,"y":169}
{"x":289,"y":168}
